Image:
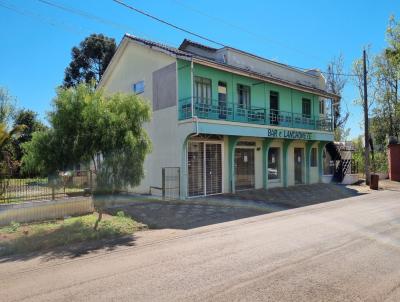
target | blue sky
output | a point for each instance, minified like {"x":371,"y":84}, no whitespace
{"x":36,"y":41}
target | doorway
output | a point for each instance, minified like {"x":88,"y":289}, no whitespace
{"x":298,"y":165}
{"x":204,"y":168}
{"x":244,"y":168}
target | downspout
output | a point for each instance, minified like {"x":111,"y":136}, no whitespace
{"x":194,"y":117}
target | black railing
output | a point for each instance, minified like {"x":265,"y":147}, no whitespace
{"x":14,"y":189}
{"x":213,"y":109}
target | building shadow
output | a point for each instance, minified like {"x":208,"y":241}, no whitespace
{"x":62,"y":237}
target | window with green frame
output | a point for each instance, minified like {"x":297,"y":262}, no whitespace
{"x":202,"y":90}
{"x":306,"y":107}
{"x":243,"y":96}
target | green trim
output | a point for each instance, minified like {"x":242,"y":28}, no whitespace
{"x":265,"y":148}
{"x":321,"y":147}
{"x":232,"y":141}
{"x":285,"y":159}
{"x":183,"y":177}
{"x":308,"y":160}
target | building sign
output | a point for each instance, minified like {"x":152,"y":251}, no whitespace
{"x":289,"y":134}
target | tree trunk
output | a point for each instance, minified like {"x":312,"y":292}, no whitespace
{"x":98,"y":220}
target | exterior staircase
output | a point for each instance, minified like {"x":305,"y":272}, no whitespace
{"x":343,"y":161}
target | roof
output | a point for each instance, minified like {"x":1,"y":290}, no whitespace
{"x":179,"y":52}
{"x":187,"y":42}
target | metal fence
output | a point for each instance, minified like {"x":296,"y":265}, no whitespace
{"x":170,"y":182}
{"x":76,"y":183}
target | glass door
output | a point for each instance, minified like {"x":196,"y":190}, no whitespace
{"x":244,"y":168}
{"x":298,"y":165}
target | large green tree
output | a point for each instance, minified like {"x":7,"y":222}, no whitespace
{"x":85,"y":123}
{"x":89,"y":60}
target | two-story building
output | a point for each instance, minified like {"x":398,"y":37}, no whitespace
{"x":228,"y":119}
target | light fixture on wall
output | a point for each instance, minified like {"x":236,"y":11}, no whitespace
{"x":258,"y":149}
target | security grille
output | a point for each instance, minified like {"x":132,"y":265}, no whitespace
{"x":204,"y":168}
{"x":213,"y":169}
{"x":244,"y":168}
{"x":195,"y":168}
{"x":170,"y":182}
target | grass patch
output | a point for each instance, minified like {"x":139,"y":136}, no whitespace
{"x":25,"y":238}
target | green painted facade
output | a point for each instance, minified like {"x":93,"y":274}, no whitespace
{"x":290,"y":100}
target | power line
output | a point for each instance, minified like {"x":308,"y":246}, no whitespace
{"x":89,"y":16}
{"x":39,"y":17}
{"x":120,"y":2}
{"x":167,"y":23}
{"x":241,"y":28}
{"x":114,"y":24}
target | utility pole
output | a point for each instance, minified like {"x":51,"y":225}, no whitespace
{"x":366,"y":130}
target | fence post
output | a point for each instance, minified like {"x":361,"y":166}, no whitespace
{"x":163,"y":183}
{"x":91,"y":181}
{"x":53,"y":189}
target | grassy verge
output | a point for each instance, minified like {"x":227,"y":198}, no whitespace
{"x":17,"y":239}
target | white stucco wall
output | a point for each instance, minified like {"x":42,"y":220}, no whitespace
{"x":132,"y":63}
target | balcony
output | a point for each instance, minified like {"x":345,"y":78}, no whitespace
{"x":224,"y":111}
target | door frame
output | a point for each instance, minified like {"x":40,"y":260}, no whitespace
{"x":303,"y":166}
{"x":254,"y":149}
{"x":204,"y":167}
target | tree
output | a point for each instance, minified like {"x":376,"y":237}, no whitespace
{"x":29,"y":119}
{"x":7,"y":106}
{"x":7,"y":164}
{"x":89,"y":60}
{"x":84,"y":123}
{"x":335,"y":82}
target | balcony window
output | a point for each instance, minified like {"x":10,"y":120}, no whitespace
{"x":274,"y":107}
{"x":243,"y":96}
{"x":222,"y":97}
{"x":306,"y":108}
{"x":202,"y":90}
{"x":274,"y":164}
{"x":322,"y":107}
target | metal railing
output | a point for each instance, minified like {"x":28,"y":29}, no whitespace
{"x":228,"y":111}
{"x":13,"y":189}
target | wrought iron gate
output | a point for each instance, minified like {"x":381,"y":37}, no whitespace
{"x":170,"y":182}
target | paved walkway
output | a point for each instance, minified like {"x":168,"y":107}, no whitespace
{"x":197,"y":212}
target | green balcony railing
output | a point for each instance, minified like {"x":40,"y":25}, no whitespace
{"x":215,"y":110}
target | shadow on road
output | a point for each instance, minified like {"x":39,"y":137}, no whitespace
{"x":14,"y":250}
{"x":197,"y":212}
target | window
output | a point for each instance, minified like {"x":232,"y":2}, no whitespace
{"x":273,"y":107}
{"x":243,"y":96}
{"x":202,"y":90}
{"x":322,"y":107}
{"x":222,"y":91}
{"x":138,"y":87}
{"x":274,"y":168}
{"x":313,"y":157}
{"x":306,"y":108}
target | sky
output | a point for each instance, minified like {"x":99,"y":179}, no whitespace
{"x":36,"y":38}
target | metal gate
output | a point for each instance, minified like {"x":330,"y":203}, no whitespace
{"x":170,"y":182}
{"x":204,"y":168}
